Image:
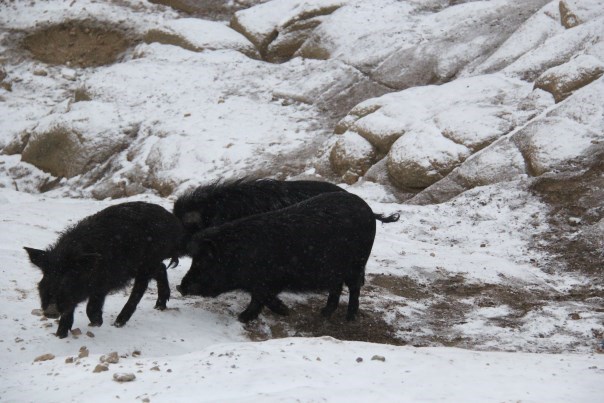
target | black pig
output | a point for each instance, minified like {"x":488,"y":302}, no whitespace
{"x":215,"y":204}
{"x":318,"y":244}
{"x":102,"y":253}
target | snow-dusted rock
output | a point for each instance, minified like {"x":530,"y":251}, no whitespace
{"x":586,"y":38}
{"x":279,"y":27}
{"x":331,"y":85}
{"x":413,"y":44}
{"x":66,"y":145}
{"x":351,"y":156}
{"x":428,"y":131}
{"x":562,"y":80}
{"x":420,"y":158}
{"x":564,"y":135}
{"x":197,"y":35}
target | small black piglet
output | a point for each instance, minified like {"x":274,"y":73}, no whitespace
{"x":102,"y":253}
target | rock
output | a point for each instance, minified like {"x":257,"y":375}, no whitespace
{"x":562,"y":80}
{"x":359,"y":359}
{"x":69,"y":144}
{"x":123,"y":377}
{"x":567,"y":18}
{"x":551,"y":141}
{"x":292,"y":20}
{"x":417,"y":160}
{"x":44,"y":357}
{"x":197,"y":35}
{"x":40,"y":72}
{"x":37,"y":312}
{"x":69,"y":360}
{"x":100,"y":368}
{"x":89,"y":334}
{"x":111,"y":358}
{"x":76,"y":332}
{"x":155,"y":368}
{"x":136,"y":353}
{"x":378,"y":358}
{"x":352,"y":155}
{"x":83,"y":352}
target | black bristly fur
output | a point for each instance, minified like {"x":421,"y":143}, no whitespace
{"x":318,"y":244}
{"x":102,"y":253}
{"x":216,"y":204}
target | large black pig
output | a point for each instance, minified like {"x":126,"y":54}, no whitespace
{"x":102,"y":253}
{"x":215,"y":204}
{"x":318,"y":244}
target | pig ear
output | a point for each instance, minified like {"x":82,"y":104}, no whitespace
{"x":38,"y":257}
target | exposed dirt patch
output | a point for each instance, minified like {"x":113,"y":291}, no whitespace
{"x":305,"y":320}
{"x":78,"y":44}
{"x":577,"y":201}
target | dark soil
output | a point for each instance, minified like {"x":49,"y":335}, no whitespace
{"x":576,"y":198}
{"x":77,"y":44}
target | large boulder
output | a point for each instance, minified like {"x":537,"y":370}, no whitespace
{"x":197,"y":35}
{"x":562,"y":80}
{"x":352,"y":156}
{"x":279,"y":27}
{"x":68,"y":144}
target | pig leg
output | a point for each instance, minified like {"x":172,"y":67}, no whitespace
{"x":252,"y":311}
{"x":94,"y":309}
{"x":65,"y":323}
{"x":138,"y":290}
{"x":353,"y":302}
{"x":276,"y":305}
{"x":163,"y":287}
{"x":332,"y":301}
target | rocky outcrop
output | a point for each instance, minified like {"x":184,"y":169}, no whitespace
{"x":552,"y":142}
{"x":66,"y":145}
{"x":278,"y":28}
{"x":427,"y":132}
{"x":198,"y":35}
{"x":562,"y":80}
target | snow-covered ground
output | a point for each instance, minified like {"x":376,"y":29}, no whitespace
{"x":464,"y":300}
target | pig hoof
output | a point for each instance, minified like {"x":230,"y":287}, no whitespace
{"x":96,"y":323}
{"x":160,"y":307}
{"x":245,"y":317}
{"x":61,"y":335}
{"x":118,"y":323}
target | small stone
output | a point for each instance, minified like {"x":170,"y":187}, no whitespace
{"x":432,"y":254}
{"x":123,"y":377}
{"x":18,"y":339}
{"x":111,"y":358}
{"x":574,"y":316}
{"x":40,"y":72}
{"x":44,"y":357}
{"x":69,"y":360}
{"x":169,"y":370}
{"x":37,"y":312}
{"x":483,"y":245}
{"x":136,"y":353}
{"x":89,"y":334}
{"x":359,"y":359}
{"x":83,"y":352}
{"x":155,"y":368}
{"x":378,"y":358}
{"x":100,"y":368}
{"x":76,"y":331}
